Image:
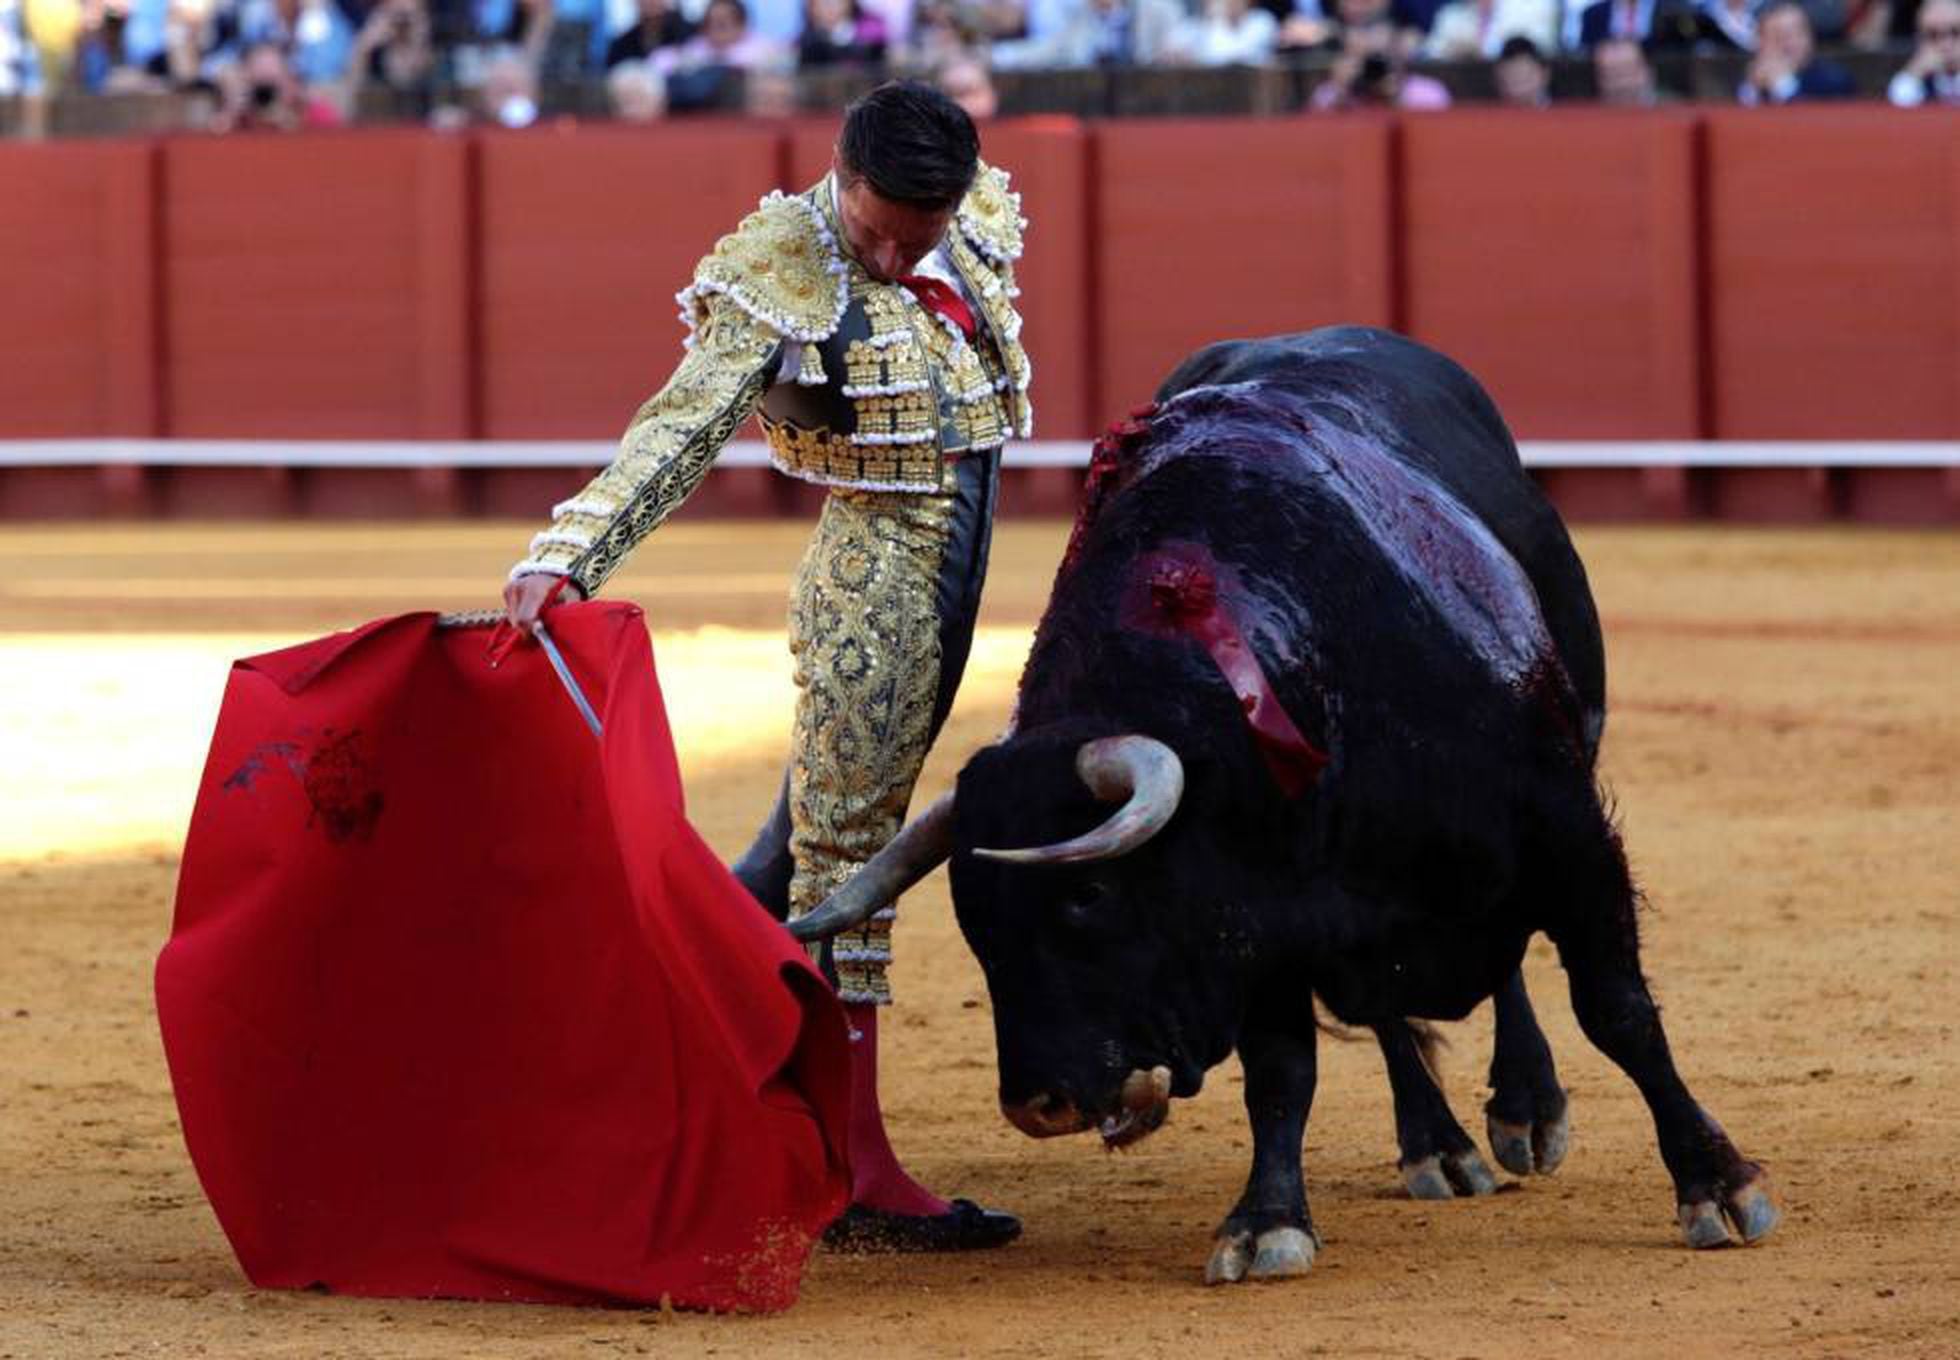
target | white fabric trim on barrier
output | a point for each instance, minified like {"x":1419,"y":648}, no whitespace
{"x":751,"y":453}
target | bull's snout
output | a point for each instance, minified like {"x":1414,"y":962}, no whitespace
{"x":1045,"y":1116}
{"x":1138,"y":1108}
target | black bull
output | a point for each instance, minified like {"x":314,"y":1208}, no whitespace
{"x":1348,"y":508}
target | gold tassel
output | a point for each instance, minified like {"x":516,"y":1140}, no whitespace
{"x":810,"y":373}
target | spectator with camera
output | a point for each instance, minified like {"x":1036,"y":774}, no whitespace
{"x":1372,"y":72}
{"x":1932,"y":76}
{"x":1786,"y":66}
{"x":262,"y":93}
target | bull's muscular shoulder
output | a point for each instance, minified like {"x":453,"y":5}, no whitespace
{"x":781,"y":266}
{"x":990,"y":217}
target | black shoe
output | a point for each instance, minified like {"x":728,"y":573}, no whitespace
{"x":967,"y":1227}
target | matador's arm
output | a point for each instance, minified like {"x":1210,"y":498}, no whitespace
{"x":666,"y":451}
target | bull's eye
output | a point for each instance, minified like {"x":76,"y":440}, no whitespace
{"x":1081,"y":904}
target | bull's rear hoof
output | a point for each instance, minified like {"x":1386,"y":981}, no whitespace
{"x":1702,"y":1227}
{"x":1450,"y":1176}
{"x":1752,"y":1210}
{"x":1530,"y":1149}
{"x":1275,"y":1254}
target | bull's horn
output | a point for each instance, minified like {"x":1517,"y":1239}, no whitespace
{"x":1140,"y":770}
{"x":913,"y":853}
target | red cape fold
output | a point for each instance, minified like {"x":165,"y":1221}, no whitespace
{"x":458,"y":1004}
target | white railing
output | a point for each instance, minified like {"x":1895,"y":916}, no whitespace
{"x":1032,"y":453}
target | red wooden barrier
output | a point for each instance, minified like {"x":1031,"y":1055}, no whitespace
{"x":1554,"y":257}
{"x":1206,"y":229}
{"x":317,"y":286}
{"x":1713,"y":273}
{"x":77,"y":275}
{"x":587,"y":234}
{"x":1834,"y":253}
{"x":1048,"y":159}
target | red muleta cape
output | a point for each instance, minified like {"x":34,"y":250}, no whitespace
{"x":458,"y":1004}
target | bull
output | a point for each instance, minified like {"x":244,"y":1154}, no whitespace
{"x":1312,"y":713}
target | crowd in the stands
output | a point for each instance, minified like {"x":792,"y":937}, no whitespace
{"x":290,"y":63}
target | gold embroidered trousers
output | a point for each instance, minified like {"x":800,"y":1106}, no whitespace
{"x":881,"y":621}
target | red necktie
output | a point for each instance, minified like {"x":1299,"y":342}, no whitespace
{"x":940,"y":298}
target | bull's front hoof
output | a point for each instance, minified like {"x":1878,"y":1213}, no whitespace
{"x":1530,"y":1149}
{"x":1751,"y":1210}
{"x":1449,"y":1176}
{"x":1275,"y":1254}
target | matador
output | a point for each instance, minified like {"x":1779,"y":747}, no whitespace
{"x":870,"y":323}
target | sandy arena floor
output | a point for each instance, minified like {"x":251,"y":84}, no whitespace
{"x":1784,"y":745}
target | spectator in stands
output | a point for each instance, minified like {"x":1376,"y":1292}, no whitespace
{"x":1476,"y":30}
{"x":1005,"y":20}
{"x":1932,"y":76}
{"x":264,"y":94}
{"x":1099,"y":33}
{"x":55,"y":28}
{"x":703,"y":72}
{"x":313,"y":36}
{"x":1787,"y":67}
{"x":106,"y":60}
{"x":508,"y":96}
{"x":635,"y":94}
{"x":1622,"y":75}
{"x":1728,"y":25}
{"x":200,"y":42}
{"x":939,"y":33}
{"x":1873,"y":24}
{"x":896,"y":16}
{"x":1320,"y":23}
{"x":393,"y":53}
{"x":839,"y":33}
{"x":656,"y":24}
{"x":1228,"y":33}
{"x":1524,"y":77}
{"x":20,"y":63}
{"x":1652,"y":23}
{"x":1371,"y":71}
{"x":966,"y":81}
{"x":522,"y":27}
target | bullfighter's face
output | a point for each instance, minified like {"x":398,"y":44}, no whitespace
{"x":887,"y":237}
{"x":1106,"y":1001}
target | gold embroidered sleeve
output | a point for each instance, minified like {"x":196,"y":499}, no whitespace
{"x":666,"y":451}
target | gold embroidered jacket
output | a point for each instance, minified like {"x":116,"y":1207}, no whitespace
{"x":884,"y":393}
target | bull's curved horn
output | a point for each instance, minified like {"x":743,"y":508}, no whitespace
{"x":921,"y":847}
{"x":1143,"y":772}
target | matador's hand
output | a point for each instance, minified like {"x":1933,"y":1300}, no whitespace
{"x":524,"y":598}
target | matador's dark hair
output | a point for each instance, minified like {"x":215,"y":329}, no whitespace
{"x":912,"y":143}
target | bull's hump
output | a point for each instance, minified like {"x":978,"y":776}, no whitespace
{"x":1436,"y":544}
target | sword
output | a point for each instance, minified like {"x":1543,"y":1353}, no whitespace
{"x":557,"y":659}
